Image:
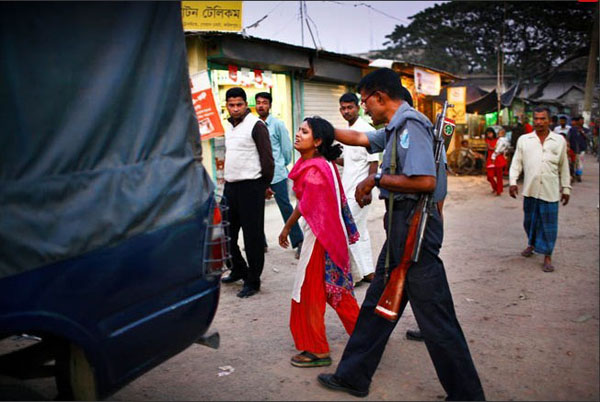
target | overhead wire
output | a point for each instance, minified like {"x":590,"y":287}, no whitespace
{"x":381,"y":12}
{"x":372,"y":8}
{"x":255,"y":24}
{"x":308,"y":25}
{"x":316,"y":28}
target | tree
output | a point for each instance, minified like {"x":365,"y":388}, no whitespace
{"x":463,"y":37}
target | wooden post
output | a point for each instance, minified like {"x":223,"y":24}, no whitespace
{"x":591,"y":72}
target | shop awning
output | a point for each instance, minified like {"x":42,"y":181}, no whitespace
{"x":489,"y":102}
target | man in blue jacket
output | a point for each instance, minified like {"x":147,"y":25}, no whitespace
{"x":282,"y":155}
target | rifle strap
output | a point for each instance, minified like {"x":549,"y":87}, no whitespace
{"x":390,"y":207}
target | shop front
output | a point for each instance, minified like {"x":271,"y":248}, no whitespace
{"x":302,"y":81}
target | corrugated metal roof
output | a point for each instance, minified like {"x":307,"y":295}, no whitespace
{"x":353,"y":59}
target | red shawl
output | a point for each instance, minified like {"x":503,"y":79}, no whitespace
{"x":315,"y":191}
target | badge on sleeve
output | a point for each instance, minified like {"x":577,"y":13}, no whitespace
{"x":404,"y":139}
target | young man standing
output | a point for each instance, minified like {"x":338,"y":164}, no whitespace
{"x":248,"y":172}
{"x":542,"y":156}
{"x":577,"y":141}
{"x":562,"y":128}
{"x":426,"y":286}
{"x":282,"y":155}
{"x":358,"y":164}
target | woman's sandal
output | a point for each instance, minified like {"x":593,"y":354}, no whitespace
{"x":315,"y":361}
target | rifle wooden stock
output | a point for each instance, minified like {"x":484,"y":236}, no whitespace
{"x":389,"y":302}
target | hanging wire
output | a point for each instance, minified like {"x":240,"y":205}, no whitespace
{"x":372,"y":8}
{"x":316,"y":30}
{"x":308,"y":25}
{"x":255,"y":24}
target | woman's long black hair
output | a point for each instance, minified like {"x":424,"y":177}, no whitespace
{"x":323,"y":129}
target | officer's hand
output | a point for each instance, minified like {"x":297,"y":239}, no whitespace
{"x":513,"y":191}
{"x":363,"y":189}
{"x":565,"y":198}
{"x":367,"y":199}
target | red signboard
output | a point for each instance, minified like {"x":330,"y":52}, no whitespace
{"x":209,"y":120}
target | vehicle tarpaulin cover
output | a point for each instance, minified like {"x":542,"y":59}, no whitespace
{"x":98,"y":133}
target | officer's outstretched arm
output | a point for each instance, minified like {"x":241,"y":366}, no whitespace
{"x":351,"y":137}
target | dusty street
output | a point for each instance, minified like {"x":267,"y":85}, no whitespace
{"x":532,"y":335}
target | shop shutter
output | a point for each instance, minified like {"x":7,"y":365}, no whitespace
{"x":323,"y":99}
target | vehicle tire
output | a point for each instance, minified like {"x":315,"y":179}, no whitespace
{"x":75,"y":377}
{"x":468,"y":165}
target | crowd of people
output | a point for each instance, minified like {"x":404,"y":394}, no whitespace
{"x":328,"y":225}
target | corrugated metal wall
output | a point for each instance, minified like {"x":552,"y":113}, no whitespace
{"x":322,"y":99}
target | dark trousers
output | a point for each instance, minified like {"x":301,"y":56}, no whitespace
{"x":426,"y":288}
{"x":246,"y":202}
{"x":285,"y":207}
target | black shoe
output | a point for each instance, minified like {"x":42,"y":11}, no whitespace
{"x":247,"y":292}
{"x":368,"y":278}
{"x":231,"y":278}
{"x":298,"y":251}
{"x":332,"y":382}
{"x":414,"y":335}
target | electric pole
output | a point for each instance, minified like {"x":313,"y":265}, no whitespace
{"x":591,"y":73}
{"x":302,"y":21}
{"x":500,"y":69}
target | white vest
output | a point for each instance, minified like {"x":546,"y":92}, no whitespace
{"x":241,"y":155}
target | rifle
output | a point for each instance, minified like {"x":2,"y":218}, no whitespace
{"x":389,"y":302}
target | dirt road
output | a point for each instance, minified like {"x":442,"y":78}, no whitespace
{"x":532,"y":335}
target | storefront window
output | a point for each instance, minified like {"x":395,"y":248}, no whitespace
{"x":491,"y":118}
{"x":278,"y":85}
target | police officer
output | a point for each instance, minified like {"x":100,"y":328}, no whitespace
{"x":426,"y":286}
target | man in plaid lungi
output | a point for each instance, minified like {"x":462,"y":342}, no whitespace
{"x":542,"y":156}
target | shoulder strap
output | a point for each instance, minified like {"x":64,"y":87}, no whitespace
{"x":393,"y":166}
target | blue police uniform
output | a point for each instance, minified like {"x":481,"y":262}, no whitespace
{"x":426,"y":286}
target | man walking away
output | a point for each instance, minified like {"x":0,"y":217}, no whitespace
{"x":542,"y":156}
{"x":248,"y":172}
{"x":282,"y":156}
{"x":578,"y":144}
{"x":358,"y":164}
{"x":426,"y":286}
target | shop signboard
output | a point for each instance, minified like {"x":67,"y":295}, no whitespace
{"x":427,"y":83}
{"x":457,"y":96}
{"x":212,"y":15}
{"x":245,"y":77}
{"x":209,"y":120}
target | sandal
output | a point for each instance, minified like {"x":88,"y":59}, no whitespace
{"x":548,"y":268}
{"x":528,"y":252}
{"x":314,"y":361}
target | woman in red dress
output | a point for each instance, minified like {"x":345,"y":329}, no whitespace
{"x":323,"y":272}
{"x":495,"y":163}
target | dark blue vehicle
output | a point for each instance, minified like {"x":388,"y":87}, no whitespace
{"x":111,"y":241}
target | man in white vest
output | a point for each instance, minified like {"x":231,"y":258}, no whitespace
{"x":248,"y":172}
{"x":358,"y":164}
